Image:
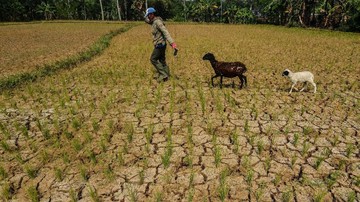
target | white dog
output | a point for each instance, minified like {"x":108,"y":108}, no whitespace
{"x":300,"y":77}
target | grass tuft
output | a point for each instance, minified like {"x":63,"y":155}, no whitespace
{"x":33,"y":194}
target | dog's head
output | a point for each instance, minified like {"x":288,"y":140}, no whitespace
{"x":286,"y":72}
{"x":209,"y":56}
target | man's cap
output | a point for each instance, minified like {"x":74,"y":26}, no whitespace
{"x":150,"y":10}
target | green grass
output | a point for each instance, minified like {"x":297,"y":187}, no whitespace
{"x":166,"y":157}
{"x":286,"y":196}
{"x":5,"y":146}
{"x":349,"y":149}
{"x":249,"y":176}
{"x":260,"y":146}
{"x":93,"y":194}
{"x":59,"y":174}
{"x":159,"y":196}
{"x":351,"y":196}
{"x":296,"y":139}
{"x":132,"y":194}
{"x":73,"y":195}
{"x":3,"y":173}
{"x":217,"y":155}
{"x":319,"y":197}
{"x":33,"y":194}
{"x":129,"y":130}
{"x":32,"y":172}
{"x":6,"y":192}
{"x":223,"y":189}
{"x":84,"y":173}
{"x":234,"y":137}
{"x":318,"y":162}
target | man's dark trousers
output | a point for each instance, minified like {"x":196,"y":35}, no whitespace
{"x":159,"y":61}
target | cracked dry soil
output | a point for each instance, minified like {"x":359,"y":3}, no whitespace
{"x":106,"y":131}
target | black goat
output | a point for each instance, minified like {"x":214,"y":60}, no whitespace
{"x":226,"y":69}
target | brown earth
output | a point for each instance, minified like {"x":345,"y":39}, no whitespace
{"x":107,"y":131}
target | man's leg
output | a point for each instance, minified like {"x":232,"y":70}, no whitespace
{"x":154,"y":60}
{"x":162,"y":60}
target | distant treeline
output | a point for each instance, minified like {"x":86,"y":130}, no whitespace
{"x":329,"y":14}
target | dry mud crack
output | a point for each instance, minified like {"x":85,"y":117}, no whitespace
{"x":114,"y":134}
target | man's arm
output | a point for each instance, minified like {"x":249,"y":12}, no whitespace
{"x":164,"y":31}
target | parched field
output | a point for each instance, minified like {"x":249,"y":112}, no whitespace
{"x":25,"y":47}
{"x":106,"y":131}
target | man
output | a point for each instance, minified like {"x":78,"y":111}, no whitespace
{"x":160,"y":36}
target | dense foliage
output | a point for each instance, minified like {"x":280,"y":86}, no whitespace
{"x":331,"y":14}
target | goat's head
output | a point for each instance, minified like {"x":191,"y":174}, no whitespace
{"x":209,"y":56}
{"x":286,"y":72}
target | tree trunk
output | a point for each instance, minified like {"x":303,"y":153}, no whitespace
{"x":68,"y":9}
{"x":85,"y":10}
{"x":118,"y":9}
{"x":307,"y":8}
{"x":125,"y":8}
{"x":102,"y":10}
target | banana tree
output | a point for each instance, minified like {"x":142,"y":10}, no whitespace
{"x":46,"y":9}
{"x":203,"y":10}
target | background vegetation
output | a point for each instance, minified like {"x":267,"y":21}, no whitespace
{"x":330,"y":14}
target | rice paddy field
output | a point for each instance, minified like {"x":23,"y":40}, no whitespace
{"x":25,"y":47}
{"x":107,"y":131}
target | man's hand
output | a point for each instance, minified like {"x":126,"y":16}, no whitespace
{"x":173,"y":45}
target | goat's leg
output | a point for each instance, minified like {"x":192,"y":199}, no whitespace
{"x":245,"y":79}
{"x":304,"y":87}
{"x":292,"y":86}
{"x":212,"y":79}
{"x":241,"y":81}
{"x":314,"y":86}
{"x":221,"y":78}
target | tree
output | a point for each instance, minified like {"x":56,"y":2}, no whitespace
{"x":118,"y":9}
{"x":352,"y":19}
{"x":46,"y":9}
{"x":329,"y":14}
{"x":102,"y":10}
{"x":11,"y":10}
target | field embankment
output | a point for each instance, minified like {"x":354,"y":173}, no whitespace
{"x":107,"y":131}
